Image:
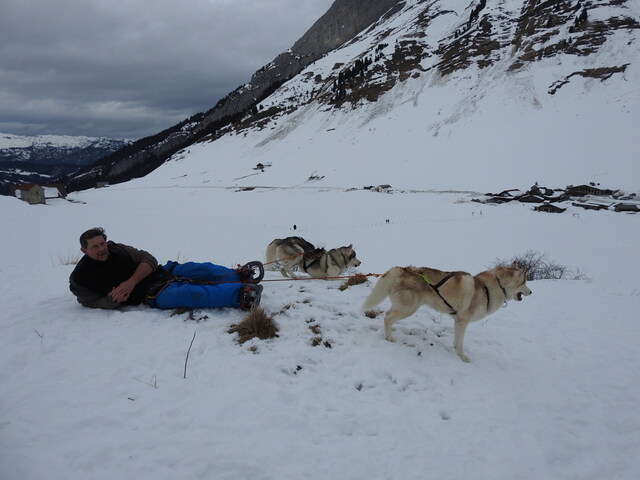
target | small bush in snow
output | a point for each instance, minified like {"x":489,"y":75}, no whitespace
{"x":257,"y":323}
{"x":540,"y":267}
{"x":356,"y":279}
{"x":69,"y":259}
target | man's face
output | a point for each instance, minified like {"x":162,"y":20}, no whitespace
{"x":97,"y":249}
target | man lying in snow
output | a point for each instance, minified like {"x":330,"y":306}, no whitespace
{"x":111,"y":275}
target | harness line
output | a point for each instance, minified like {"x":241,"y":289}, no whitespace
{"x":175,"y":278}
{"x":437,"y":286}
{"x":504,"y":292}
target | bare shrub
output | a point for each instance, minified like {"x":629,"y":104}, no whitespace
{"x":190,"y":314}
{"x":68,"y":259}
{"x":285,"y":307}
{"x":578,"y":274}
{"x":539,"y":267}
{"x":257,"y":323}
{"x":356,"y":279}
{"x":315,"y":329}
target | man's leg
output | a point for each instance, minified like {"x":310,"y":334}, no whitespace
{"x":204,"y":272}
{"x":193,"y":295}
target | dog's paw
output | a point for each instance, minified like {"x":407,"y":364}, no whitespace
{"x":389,"y":338}
{"x":463,"y":357}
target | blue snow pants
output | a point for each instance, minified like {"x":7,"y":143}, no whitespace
{"x":199,"y":295}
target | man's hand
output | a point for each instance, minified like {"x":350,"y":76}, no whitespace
{"x":121,"y":293}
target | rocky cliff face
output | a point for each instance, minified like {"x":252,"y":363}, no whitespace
{"x":509,"y":36}
{"x":397,"y":40}
{"x":342,"y":22}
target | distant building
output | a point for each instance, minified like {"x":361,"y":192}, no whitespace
{"x":584,"y":190}
{"x":35,"y":194}
{"x":627,"y":207}
{"x":30,"y":193}
{"x":590,"y":206}
{"x":549,"y":208}
{"x":55,"y":190}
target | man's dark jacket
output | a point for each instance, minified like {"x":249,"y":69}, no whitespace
{"x":92,"y":280}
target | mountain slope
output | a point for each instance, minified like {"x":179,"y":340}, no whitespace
{"x":558,"y":117}
{"x":444,"y":73}
{"x":148,"y":153}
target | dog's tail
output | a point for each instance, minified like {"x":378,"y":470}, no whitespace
{"x":380,"y":291}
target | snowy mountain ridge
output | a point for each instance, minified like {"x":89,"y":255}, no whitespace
{"x":10,"y":141}
{"x":435,"y":76}
{"x":44,"y":158}
{"x":495,"y":41}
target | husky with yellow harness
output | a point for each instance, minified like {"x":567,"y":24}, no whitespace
{"x":467,"y":298}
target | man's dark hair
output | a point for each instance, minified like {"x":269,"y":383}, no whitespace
{"x":92,"y":233}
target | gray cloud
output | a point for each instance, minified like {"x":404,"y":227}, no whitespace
{"x":130,"y":68}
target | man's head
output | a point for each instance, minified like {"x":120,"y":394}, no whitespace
{"x":93,"y":243}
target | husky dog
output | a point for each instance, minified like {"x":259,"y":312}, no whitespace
{"x":467,"y":298}
{"x":296,"y":252}
{"x":290,"y":253}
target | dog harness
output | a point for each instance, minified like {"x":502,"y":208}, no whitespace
{"x":437,"y":286}
{"x":314,"y":256}
{"x":504,"y":292}
{"x":486,"y":290}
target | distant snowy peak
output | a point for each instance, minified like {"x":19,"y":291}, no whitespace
{"x":40,"y":159}
{"x":9,"y":141}
{"x":56,"y":149}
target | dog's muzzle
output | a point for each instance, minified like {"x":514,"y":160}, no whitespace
{"x":519,"y":295}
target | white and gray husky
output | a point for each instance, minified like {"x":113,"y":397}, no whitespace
{"x":467,"y":298}
{"x":296,"y":252}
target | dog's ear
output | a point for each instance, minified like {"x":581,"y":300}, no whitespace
{"x":514,"y":265}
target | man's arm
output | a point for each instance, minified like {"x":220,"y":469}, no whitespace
{"x":88,"y":298}
{"x":121,"y":293}
{"x":140,"y":256}
{"x":146,"y":262}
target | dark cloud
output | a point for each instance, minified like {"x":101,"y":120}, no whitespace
{"x":130,"y":68}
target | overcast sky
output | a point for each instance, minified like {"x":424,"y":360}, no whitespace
{"x":131,"y":68}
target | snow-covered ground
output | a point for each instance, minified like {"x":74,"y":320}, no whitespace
{"x":551,"y":390}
